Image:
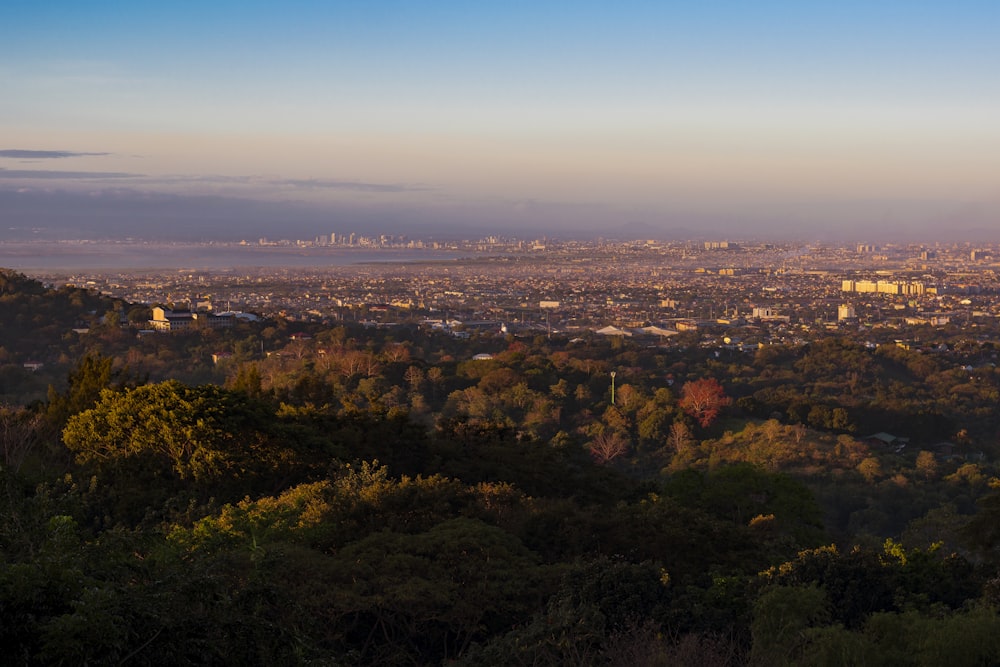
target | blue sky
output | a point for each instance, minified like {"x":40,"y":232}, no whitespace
{"x":733,"y":118}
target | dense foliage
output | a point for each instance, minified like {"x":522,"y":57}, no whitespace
{"x":376,"y":496}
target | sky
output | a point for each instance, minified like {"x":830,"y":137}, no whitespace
{"x":858,"y":120}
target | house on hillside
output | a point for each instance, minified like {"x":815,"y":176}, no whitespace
{"x":168,"y":319}
{"x":886,"y":442}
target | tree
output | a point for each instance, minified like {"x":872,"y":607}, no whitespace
{"x":607,"y":446}
{"x":431,"y":594}
{"x":223,"y":441}
{"x":772,"y":430}
{"x":982,"y":532}
{"x":560,"y":389}
{"x":781,"y":617}
{"x":840,"y":421}
{"x":680,"y":437}
{"x":653,"y":425}
{"x":628,"y":397}
{"x":19,"y":433}
{"x":247,"y":380}
{"x":415,"y":377}
{"x":927,"y":464}
{"x":870,"y":469}
{"x":703,"y":399}
{"x":92,"y":375}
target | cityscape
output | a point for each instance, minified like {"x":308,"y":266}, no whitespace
{"x":559,"y":286}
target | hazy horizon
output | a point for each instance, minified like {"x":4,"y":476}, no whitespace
{"x":186,"y":121}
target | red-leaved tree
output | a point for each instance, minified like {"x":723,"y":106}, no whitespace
{"x":703,"y":399}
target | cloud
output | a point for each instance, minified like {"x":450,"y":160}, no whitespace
{"x":327,"y":184}
{"x":285,"y":184}
{"x":123,"y":212}
{"x":299,"y":183}
{"x":35,"y":155}
{"x":52,"y":174}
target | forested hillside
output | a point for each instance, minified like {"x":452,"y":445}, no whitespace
{"x":38,"y":332}
{"x":378,"y":496}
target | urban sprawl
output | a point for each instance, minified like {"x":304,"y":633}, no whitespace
{"x":739,"y":295}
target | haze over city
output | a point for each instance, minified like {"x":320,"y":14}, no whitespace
{"x":650,"y":120}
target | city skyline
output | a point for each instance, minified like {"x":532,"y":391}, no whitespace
{"x":250,"y":119}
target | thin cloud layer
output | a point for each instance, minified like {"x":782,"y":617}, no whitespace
{"x":329,"y":184}
{"x":54,"y":174}
{"x":300,"y":183}
{"x":22,"y":154}
{"x":284,"y":183}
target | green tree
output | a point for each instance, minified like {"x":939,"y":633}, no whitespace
{"x":982,"y":532}
{"x":430,"y":595}
{"x":87,"y":381}
{"x":247,"y":380}
{"x":206,"y":438}
{"x":782,"y":617}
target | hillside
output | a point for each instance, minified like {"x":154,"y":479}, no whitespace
{"x":366,"y":496}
